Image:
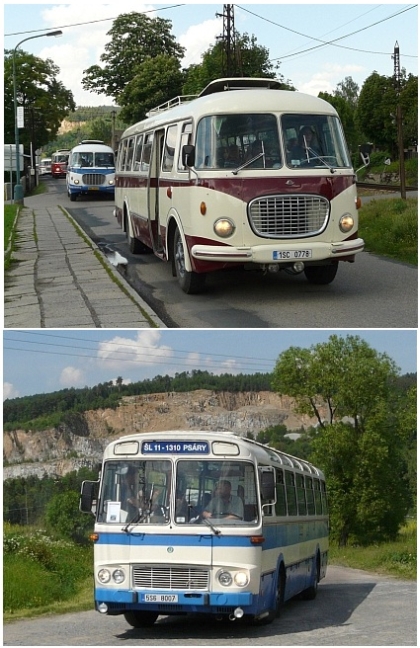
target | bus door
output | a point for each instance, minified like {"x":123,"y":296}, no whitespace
{"x":155,"y":141}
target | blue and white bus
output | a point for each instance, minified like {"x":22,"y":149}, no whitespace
{"x":205,"y":523}
{"x":91,"y":170}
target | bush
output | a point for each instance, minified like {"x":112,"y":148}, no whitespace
{"x":39,"y":570}
{"x":26,"y":584}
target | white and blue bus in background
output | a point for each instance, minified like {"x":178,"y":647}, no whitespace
{"x":91,"y":170}
{"x":204,"y":523}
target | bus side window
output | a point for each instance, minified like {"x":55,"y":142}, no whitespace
{"x":169,"y":148}
{"x":281,"y":508}
{"x":121,"y":155}
{"x":130,"y":152}
{"x":300,"y":483}
{"x":318,"y":502}
{"x":146,"y":153}
{"x":291,"y":493}
{"x":137,"y":153}
{"x":185,"y":139}
{"x":324,"y":499}
{"x":310,"y":496}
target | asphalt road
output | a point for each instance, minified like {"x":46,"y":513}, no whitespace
{"x":371,"y":293}
{"x":353,"y":608}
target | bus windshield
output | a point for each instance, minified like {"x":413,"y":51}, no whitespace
{"x":89,"y":159}
{"x":229,"y":141}
{"x":314,"y":141}
{"x":206,"y":492}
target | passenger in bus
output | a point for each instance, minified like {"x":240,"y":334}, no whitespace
{"x":224,"y":504}
{"x":232,"y":158}
{"x":306,"y":148}
{"x":181,"y":507}
{"x":131,"y":497}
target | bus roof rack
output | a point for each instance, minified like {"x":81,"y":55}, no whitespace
{"x":240,"y":83}
{"x":172,"y":103}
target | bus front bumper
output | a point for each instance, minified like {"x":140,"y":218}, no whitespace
{"x":122,"y":600}
{"x":282,"y":253}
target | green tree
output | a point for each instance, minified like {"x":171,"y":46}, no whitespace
{"x":350,"y":389}
{"x":252,"y":61}
{"x":135,"y":38}
{"x":45,"y":100}
{"x":158,"y":80}
{"x":376,"y":110}
{"x":64,"y":519}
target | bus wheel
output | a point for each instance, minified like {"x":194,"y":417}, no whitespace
{"x":72,"y":196}
{"x":310,"y":592}
{"x":321,"y":275}
{"x":278,"y":601}
{"x":190,"y":282}
{"x":141,"y":619}
{"x":135,"y":246}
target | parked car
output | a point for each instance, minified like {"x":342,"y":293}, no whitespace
{"x":45,"y":166}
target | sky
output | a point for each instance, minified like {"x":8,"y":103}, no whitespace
{"x":294,"y":34}
{"x":36,"y":362}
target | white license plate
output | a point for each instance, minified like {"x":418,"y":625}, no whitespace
{"x":284,"y":255}
{"x":160,"y":598}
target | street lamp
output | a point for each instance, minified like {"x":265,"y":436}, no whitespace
{"x":18,"y":194}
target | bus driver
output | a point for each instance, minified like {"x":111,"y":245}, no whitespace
{"x":224,"y":504}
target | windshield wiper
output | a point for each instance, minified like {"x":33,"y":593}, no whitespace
{"x":248,"y":162}
{"x":212,"y":527}
{"x":318,"y":157}
{"x":138,"y":517}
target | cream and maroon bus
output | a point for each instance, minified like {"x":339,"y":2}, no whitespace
{"x":245,"y":174}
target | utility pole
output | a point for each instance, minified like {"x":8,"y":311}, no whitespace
{"x":397,"y":77}
{"x":230,"y":67}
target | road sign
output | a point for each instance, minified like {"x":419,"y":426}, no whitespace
{"x":10,"y":157}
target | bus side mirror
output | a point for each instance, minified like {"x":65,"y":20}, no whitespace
{"x":188,"y":155}
{"x":267,"y":484}
{"x":88,"y":495}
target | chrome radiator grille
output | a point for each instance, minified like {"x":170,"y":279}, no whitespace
{"x":93,"y":179}
{"x":170,"y":578}
{"x":288,"y":216}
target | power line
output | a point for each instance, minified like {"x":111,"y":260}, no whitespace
{"x":90,"y":22}
{"x":134,"y":351}
{"x":332,"y":42}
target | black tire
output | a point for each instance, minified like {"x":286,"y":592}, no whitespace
{"x":190,"y":282}
{"x":141,"y":619}
{"x":135,"y":246}
{"x":72,"y":197}
{"x":321,"y":275}
{"x":310,"y":592}
{"x":278,"y":601}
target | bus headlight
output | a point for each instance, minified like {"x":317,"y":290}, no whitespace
{"x":110,"y":182}
{"x":224,"y":578}
{"x":241,"y":579}
{"x":346,"y":223}
{"x":118,"y":576}
{"x":76,"y":181}
{"x":224,"y":227}
{"x":104,"y":576}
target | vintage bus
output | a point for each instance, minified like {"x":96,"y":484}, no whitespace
{"x":245,"y":174}
{"x":59,"y":163}
{"x":204,"y":523}
{"x":91,"y":170}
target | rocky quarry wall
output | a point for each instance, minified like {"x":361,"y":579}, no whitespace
{"x":81,"y":443}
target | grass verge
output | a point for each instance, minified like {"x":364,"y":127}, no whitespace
{"x":389,"y":228}
{"x":397,"y":558}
